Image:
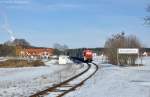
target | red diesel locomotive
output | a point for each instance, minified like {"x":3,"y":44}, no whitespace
{"x":88,"y":55}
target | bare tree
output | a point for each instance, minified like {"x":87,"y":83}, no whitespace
{"x":21,"y":42}
{"x":7,"y":50}
{"x":60,"y":47}
{"x":147,"y":18}
{"x":121,"y":41}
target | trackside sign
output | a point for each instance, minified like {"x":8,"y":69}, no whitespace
{"x":128,"y":51}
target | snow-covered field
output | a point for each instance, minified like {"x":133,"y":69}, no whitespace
{"x":113,"y":81}
{"x":109,"y":81}
{"x":22,"y":82}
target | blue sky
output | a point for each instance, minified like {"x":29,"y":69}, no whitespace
{"x":76,"y":23}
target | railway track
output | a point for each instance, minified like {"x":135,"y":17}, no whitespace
{"x":61,"y":89}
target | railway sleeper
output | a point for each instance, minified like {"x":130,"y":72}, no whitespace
{"x":58,"y":90}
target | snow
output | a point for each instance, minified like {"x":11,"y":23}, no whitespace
{"x":84,"y":76}
{"x":22,"y":79}
{"x":3,"y":59}
{"x":114,"y":81}
{"x":22,"y":82}
{"x":54,"y":61}
{"x":73,"y":82}
{"x":109,"y":81}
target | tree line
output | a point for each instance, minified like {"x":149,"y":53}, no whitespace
{"x":8,"y":48}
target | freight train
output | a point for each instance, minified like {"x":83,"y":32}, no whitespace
{"x":82,"y":54}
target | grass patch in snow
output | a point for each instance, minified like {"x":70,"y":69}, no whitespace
{"x":12,"y":63}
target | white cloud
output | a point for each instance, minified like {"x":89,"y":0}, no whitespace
{"x":36,"y":6}
{"x":14,"y":2}
{"x":63,"y":6}
{"x":59,"y":6}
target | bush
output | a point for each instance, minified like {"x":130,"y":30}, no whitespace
{"x":20,"y":63}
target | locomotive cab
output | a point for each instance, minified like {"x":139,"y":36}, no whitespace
{"x":88,"y":55}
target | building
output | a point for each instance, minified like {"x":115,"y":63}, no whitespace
{"x":36,"y":53}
